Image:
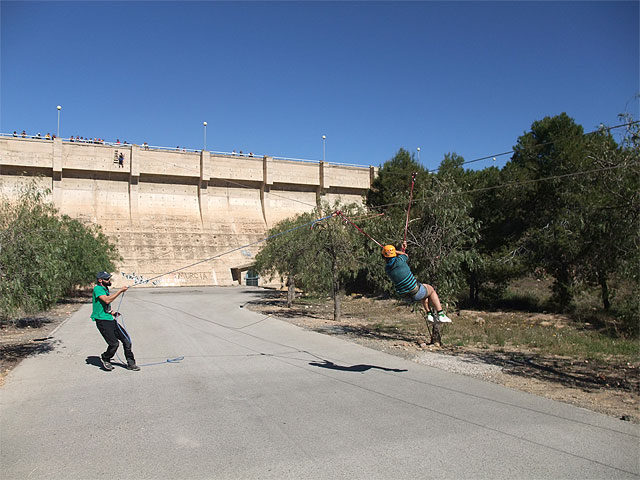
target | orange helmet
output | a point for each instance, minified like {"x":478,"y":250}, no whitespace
{"x":389,"y":251}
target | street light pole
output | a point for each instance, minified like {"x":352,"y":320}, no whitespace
{"x":324,"y":141}
{"x":58,"y":131}
{"x":418,"y":154}
{"x":205,"y":135}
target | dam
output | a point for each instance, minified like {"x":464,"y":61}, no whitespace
{"x":166,"y":209}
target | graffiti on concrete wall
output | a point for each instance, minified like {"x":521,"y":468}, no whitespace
{"x":192,"y":276}
{"x":137,"y":279}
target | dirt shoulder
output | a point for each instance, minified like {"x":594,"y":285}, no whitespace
{"x":609,"y":387}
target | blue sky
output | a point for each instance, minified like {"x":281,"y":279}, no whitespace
{"x":273,"y":77}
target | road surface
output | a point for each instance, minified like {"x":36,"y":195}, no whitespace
{"x":256,"y":397}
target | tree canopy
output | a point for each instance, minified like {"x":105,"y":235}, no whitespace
{"x":566,"y":205}
{"x":43,"y":255}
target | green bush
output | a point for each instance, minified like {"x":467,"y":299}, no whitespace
{"x":44,"y":255}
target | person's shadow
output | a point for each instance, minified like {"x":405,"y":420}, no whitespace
{"x":96,"y":362}
{"x":353,"y":368}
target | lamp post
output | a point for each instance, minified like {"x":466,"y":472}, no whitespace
{"x":324,"y":141}
{"x":58,"y":131}
{"x":205,"y":135}
{"x":418,"y":154}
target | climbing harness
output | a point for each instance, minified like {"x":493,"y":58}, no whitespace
{"x":406,"y":225}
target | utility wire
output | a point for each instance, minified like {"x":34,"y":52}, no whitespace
{"x":192,"y":171}
{"x":495,"y":155}
{"x":510,"y":184}
{"x":270,"y":193}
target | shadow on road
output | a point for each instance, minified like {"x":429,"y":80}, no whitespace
{"x":96,"y":362}
{"x":353,"y":368}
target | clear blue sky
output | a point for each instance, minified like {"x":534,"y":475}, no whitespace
{"x":273,"y":77}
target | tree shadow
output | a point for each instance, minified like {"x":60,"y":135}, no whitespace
{"x":588,"y":376}
{"x":13,"y":353}
{"x":367,"y":332}
{"x":277,"y":300}
{"x":353,"y":368}
{"x":35,"y":321}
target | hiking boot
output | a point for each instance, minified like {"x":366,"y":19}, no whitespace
{"x":133,"y":367}
{"x":442,"y":318}
{"x":106,"y":364}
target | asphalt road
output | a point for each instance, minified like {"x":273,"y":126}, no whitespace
{"x":255,"y":397}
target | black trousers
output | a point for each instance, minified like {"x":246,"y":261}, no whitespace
{"x":111,"y":331}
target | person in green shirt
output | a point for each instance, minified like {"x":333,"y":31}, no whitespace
{"x":108,"y":326}
{"x":397,"y":268}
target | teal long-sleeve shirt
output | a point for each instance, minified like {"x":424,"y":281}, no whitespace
{"x":398,"y":270}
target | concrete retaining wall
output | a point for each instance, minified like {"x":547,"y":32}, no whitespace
{"x":168,"y":209}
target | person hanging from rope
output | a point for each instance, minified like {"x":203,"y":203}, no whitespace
{"x":107,"y":324}
{"x":397,"y":268}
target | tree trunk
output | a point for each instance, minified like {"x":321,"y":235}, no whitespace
{"x":436,"y":339}
{"x":336,"y":292}
{"x":562,"y":288}
{"x":291,"y":291}
{"x":473,"y":288}
{"x":602,"y":279}
{"x":336,"y":306}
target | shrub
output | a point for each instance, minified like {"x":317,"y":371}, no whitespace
{"x":44,"y":255}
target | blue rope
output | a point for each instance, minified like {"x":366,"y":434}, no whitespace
{"x":123,"y":328}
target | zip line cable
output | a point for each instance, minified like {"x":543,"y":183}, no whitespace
{"x":339,"y":213}
{"x":312,"y":223}
{"x":178,"y":359}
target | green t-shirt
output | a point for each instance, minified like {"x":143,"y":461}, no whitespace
{"x":101,"y":310}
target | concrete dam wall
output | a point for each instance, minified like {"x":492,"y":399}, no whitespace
{"x":167,"y":209}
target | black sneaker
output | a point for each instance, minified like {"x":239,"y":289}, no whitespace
{"x":133,"y":367}
{"x":106,"y":364}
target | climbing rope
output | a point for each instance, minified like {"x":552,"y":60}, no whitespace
{"x":406,"y":225}
{"x":339,"y":213}
{"x":123,"y":329}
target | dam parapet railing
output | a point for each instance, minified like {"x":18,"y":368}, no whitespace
{"x":61,"y":154}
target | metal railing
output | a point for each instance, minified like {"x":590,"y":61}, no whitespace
{"x":176,"y":149}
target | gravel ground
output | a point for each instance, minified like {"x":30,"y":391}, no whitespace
{"x":463,"y":364}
